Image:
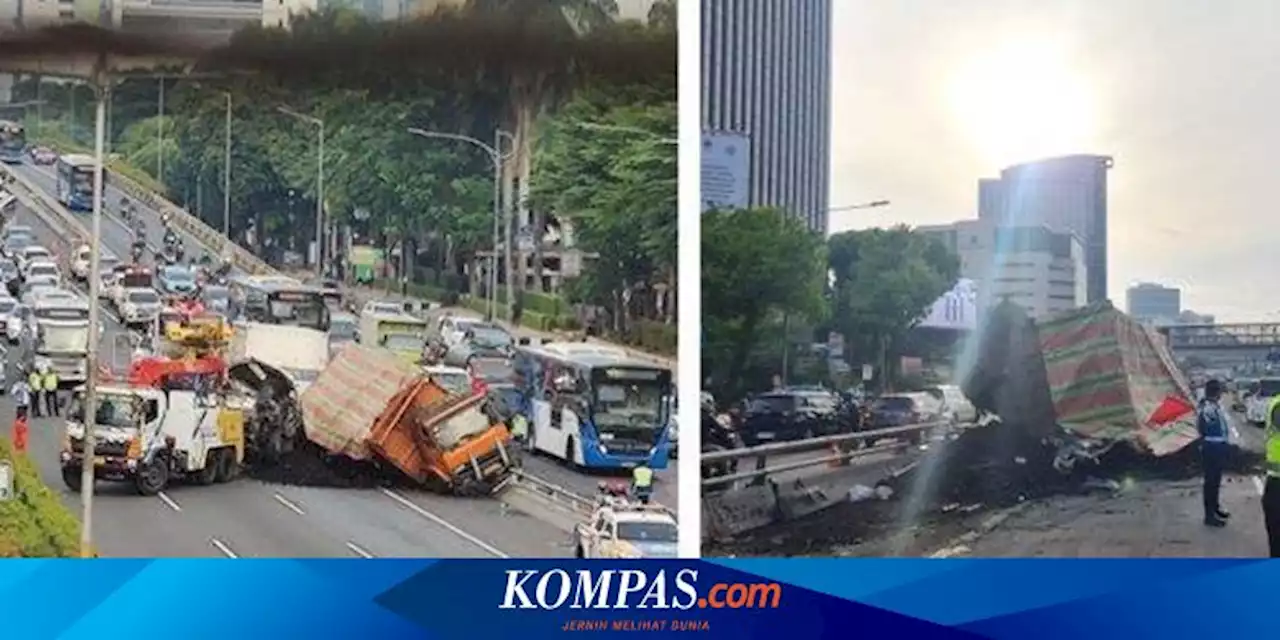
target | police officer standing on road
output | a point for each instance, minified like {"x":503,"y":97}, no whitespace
{"x":35,"y":382}
{"x":642,"y":483}
{"x":1271,"y":493}
{"x":50,"y":390}
{"x":1215,"y":438}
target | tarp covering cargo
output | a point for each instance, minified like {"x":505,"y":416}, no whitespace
{"x":340,"y":408}
{"x":1108,"y":373}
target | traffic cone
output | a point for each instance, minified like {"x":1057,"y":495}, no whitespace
{"x":20,"y":435}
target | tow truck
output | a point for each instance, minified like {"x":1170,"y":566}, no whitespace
{"x":622,"y":529}
{"x":167,"y":420}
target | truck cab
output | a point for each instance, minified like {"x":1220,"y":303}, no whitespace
{"x":400,"y":333}
{"x":622,"y":530}
{"x":151,"y":436}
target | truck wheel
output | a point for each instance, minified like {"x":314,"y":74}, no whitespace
{"x":227,"y":467}
{"x":154,"y":477}
{"x":71,"y":477}
{"x":209,"y":473}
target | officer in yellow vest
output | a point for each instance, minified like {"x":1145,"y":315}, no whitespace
{"x":642,"y":483}
{"x":36,"y":382}
{"x":1271,"y":494}
{"x":51,"y":391}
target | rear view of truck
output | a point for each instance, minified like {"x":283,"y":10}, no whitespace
{"x":368,"y":403}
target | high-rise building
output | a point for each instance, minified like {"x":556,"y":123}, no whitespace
{"x":1039,"y":269}
{"x":1154,"y":302}
{"x":1066,"y":194}
{"x":766,"y":74}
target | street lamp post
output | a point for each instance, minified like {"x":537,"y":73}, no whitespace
{"x":786,"y":317}
{"x":496,"y":157}
{"x":319,"y":185}
{"x":95,"y":284}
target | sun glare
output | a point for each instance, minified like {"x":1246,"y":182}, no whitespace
{"x":1021,"y":102}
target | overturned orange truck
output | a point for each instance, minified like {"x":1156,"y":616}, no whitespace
{"x":368,"y":403}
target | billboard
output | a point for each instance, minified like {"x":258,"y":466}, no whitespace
{"x":726,"y":170}
{"x":956,"y":310}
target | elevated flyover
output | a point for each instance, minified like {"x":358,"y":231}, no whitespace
{"x":1245,"y":342}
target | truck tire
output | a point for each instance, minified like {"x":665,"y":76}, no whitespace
{"x":71,"y":477}
{"x":227,"y":469}
{"x":152,"y":478}
{"x":209,"y":473}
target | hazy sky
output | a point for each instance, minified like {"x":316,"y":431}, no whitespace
{"x":930,"y":95}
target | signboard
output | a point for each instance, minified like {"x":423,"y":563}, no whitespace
{"x":726,"y":170}
{"x":956,"y":310}
{"x":867,"y":373}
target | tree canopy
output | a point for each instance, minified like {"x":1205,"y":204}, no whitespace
{"x":757,"y":265}
{"x":589,"y":99}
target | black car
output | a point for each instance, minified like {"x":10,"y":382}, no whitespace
{"x":780,"y":416}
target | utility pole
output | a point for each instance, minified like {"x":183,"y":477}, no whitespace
{"x":88,"y":452}
{"x":160,"y":136}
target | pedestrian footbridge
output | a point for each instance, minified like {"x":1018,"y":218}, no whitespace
{"x":1248,"y":341}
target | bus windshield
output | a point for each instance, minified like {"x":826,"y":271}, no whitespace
{"x":12,"y":137}
{"x":629,"y":401}
{"x":298,"y":308}
{"x":79,"y":177}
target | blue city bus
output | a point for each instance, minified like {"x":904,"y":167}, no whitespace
{"x":594,"y":406}
{"x":75,"y":182}
{"x":13,"y":142}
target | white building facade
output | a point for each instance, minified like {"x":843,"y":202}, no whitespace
{"x":1041,"y":270}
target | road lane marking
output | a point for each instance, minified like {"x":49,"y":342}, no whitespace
{"x":1258,"y":484}
{"x":490,"y":549}
{"x":288,"y":505}
{"x":221,"y":546}
{"x":164,"y":497}
{"x":359,"y":551}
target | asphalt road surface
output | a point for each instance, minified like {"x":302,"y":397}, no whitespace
{"x":117,"y":238}
{"x":247,"y":518}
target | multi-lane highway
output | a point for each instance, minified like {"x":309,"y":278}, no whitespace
{"x":253,"y":519}
{"x":117,"y":237}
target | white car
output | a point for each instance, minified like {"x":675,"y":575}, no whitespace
{"x":34,"y":285}
{"x":42,"y":268}
{"x":453,"y":379}
{"x":139,"y":306}
{"x":32,"y":253}
{"x":627,"y":531}
{"x":955,"y":405}
{"x":16,"y":322}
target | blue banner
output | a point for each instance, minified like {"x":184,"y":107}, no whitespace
{"x":740,"y":599}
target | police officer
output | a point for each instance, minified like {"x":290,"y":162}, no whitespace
{"x":50,"y":391}
{"x":642,"y":483}
{"x":1271,"y":493}
{"x":34,"y":385}
{"x":1215,"y":439}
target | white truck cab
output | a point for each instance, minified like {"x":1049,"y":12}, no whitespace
{"x":149,"y":437}
{"x":620,"y":529}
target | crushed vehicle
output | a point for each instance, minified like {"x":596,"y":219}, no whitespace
{"x":370,"y":404}
{"x":1088,"y":379}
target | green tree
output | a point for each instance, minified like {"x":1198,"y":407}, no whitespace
{"x":885,"y":280}
{"x":756,"y":265}
{"x":606,"y":166}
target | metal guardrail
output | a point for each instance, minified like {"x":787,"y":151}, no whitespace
{"x":207,"y":236}
{"x":553,"y":492}
{"x":762,"y":453}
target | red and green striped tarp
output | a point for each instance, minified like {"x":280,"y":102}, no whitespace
{"x":1108,"y":373}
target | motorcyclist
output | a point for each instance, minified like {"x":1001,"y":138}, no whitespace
{"x":139,"y":247}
